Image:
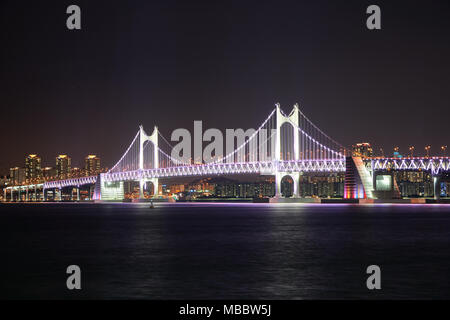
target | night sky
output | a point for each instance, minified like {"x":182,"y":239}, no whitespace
{"x":227,"y":63}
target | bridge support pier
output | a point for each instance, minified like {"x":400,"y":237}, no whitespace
{"x":142,"y":183}
{"x":293,"y":119}
{"x":437,"y":187}
{"x":296,"y":184}
{"x":295,"y":176}
{"x":141,"y":188}
{"x":278,"y":178}
{"x":155,"y":186}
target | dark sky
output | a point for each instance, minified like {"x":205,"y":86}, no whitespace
{"x":226,"y":63}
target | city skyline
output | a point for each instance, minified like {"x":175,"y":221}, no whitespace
{"x":440,"y":152}
{"x":35,"y":168}
{"x":390,"y":88}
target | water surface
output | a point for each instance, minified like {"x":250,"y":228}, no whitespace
{"x":224,"y":251}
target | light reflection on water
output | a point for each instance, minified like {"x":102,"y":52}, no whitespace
{"x":232,"y":250}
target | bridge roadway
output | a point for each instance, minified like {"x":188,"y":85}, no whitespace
{"x":264,"y":168}
{"x":434,"y":165}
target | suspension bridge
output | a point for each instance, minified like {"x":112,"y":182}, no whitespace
{"x":283,"y":145}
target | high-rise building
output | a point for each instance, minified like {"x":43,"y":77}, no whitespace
{"x":363,"y":149}
{"x":76,"y":172}
{"x":17,"y":175}
{"x":49,"y":172}
{"x":33,"y":167}
{"x":63,"y":165}
{"x":4,"y":181}
{"x":92,"y":165}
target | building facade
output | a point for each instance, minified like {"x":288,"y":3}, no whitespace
{"x":63,"y":166}
{"x":363,"y":149}
{"x":17,"y":175}
{"x":49,"y":173}
{"x":92,"y":165}
{"x":33,"y":167}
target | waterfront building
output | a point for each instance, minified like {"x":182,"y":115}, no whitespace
{"x":33,"y":167}
{"x":48,"y":173}
{"x":325,"y":186}
{"x":17,"y":175}
{"x":363,"y":149}
{"x":92,"y":165}
{"x":63,"y":166}
{"x":413,"y":184}
{"x":76,"y":172}
{"x":4,"y":182}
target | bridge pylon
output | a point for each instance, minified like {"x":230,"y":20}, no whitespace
{"x":153,"y":138}
{"x":292,"y":119}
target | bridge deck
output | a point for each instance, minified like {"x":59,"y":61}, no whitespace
{"x":268,"y":167}
{"x":432,"y":164}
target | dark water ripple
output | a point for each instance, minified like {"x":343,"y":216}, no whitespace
{"x":215,"y":251}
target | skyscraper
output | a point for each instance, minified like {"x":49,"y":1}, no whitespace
{"x":63,"y":165}
{"x":92,"y":165}
{"x":49,"y":172}
{"x":363,"y":149}
{"x":33,"y":167}
{"x":17,"y":175}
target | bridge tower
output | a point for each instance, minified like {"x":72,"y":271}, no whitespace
{"x":293,"y":119}
{"x":153,"y":138}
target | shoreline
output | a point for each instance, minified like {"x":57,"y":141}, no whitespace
{"x":271,"y":201}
